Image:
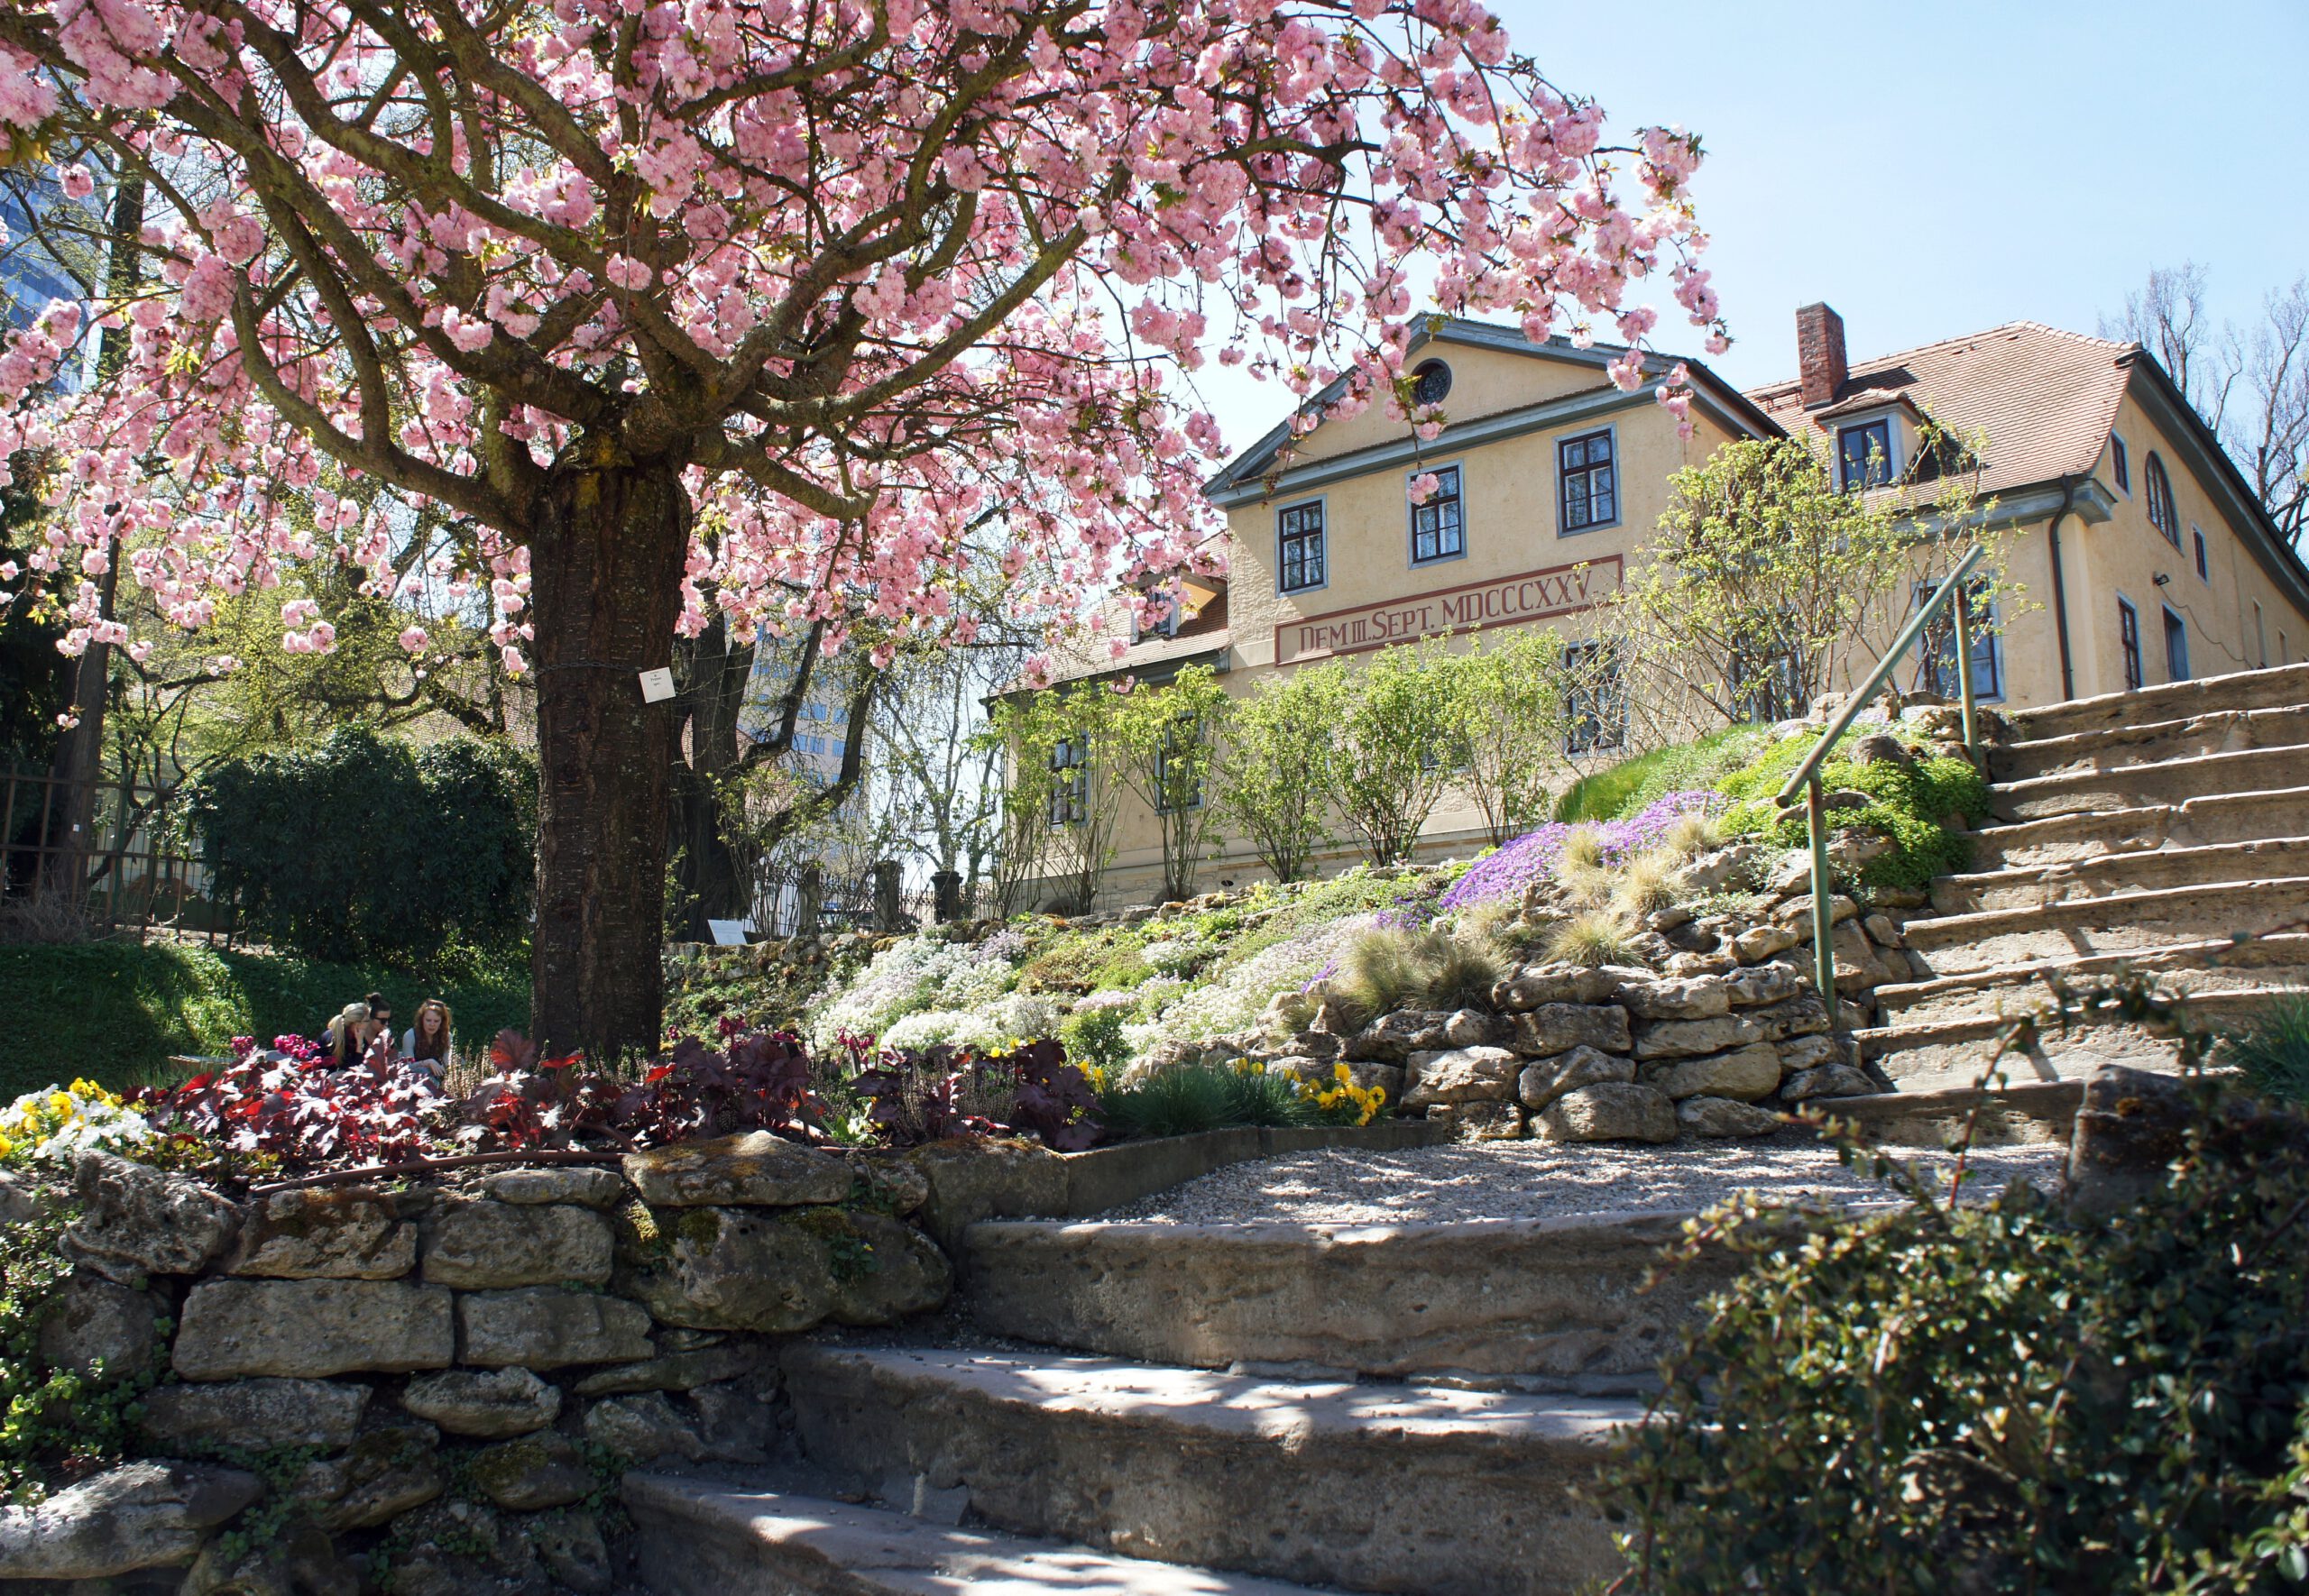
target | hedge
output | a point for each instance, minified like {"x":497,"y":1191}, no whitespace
{"x":115,"y":1011}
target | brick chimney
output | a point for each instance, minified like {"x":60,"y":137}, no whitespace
{"x":1819,"y":353}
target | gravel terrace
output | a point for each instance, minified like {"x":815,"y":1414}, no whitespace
{"x":1544,"y":1180}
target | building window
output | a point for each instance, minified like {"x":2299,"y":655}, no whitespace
{"x":1936,"y":666}
{"x":2128,"y":638}
{"x":2204,"y":566}
{"x":1590,"y":482}
{"x":1167,"y":627}
{"x":2118,"y":465}
{"x":1865,"y":455}
{"x":1069,"y":781}
{"x":2260,"y":637}
{"x":1595,"y":698}
{"x":1437,"y":528}
{"x":1302,"y":547}
{"x":2176,"y":645}
{"x":1763,"y":690}
{"x":2161,"y":514}
{"x":1430,"y":382}
{"x":1178,"y":786}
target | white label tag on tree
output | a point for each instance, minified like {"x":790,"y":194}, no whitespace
{"x":658,"y":685}
{"x":728,"y":933}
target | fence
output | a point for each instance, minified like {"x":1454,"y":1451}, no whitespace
{"x":798,"y":900}
{"x":97,"y":849}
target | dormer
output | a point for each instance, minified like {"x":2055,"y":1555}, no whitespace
{"x":1873,"y":437}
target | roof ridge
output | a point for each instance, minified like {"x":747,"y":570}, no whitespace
{"x":1857,"y":369}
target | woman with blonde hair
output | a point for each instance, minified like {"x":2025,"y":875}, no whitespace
{"x":345,"y":1039}
{"x":428,"y":1044}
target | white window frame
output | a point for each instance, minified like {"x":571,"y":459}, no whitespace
{"x":1322,"y":501}
{"x":1893,"y":464}
{"x":1619,"y":479}
{"x":1411,"y":517}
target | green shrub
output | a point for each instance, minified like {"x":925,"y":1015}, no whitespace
{"x":1190,"y":1097}
{"x":359,"y":846}
{"x":1999,"y":1398}
{"x":1917,"y":805}
{"x":115,"y":1011}
{"x":1093,"y":1037}
{"x":1621,"y":790}
{"x":59,"y":1422}
{"x":2272,"y":1049}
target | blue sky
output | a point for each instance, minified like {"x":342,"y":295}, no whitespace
{"x":1930,"y":170}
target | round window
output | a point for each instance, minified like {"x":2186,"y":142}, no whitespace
{"x":1430,"y":381}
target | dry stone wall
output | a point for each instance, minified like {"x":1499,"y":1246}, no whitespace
{"x":433,"y":1385}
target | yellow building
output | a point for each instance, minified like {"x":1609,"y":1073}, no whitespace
{"x":2143,"y":555}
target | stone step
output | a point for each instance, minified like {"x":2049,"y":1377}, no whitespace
{"x":2021,"y":886}
{"x":2169,"y":780}
{"x":2120,"y":923}
{"x":2220,"y":964}
{"x":2177,"y":701}
{"x":2195,"y":822}
{"x":1561,"y":1298}
{"x":702,"y":1537}
{"x":1399,"y":1489}
{"x":1936,"y":1114}
{"x":1954,"y":1053}
{"x":2122,"y":746}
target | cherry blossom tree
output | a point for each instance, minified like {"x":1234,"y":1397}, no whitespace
{"x":783,"y":309}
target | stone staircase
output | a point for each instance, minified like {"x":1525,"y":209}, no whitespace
{"x":1250,"y":1409}
{"x":2165,"y":831}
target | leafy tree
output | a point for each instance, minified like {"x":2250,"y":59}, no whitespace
{"x":34,"y":676}
{"x":1768,"y":584}
{"x":1509,"y":719}
{"x":1164,"y":744}
{"x":359,"y":846}
{"x":1279,"y":778}
{"x":1064,"y":798}
{"x":758,"y":308}
{"x":1395,"y":744}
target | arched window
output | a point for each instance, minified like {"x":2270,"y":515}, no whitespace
{"x":2161,"y":514}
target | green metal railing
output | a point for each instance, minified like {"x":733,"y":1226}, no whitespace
{"x":1806,"y":778}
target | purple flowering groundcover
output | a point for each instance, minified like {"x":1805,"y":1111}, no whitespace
{"x":1521,"y":860}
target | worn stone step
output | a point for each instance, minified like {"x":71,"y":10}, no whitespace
{"x":2176,"y":700}
{"x":2021,"y":886}
{"x":2195,"y":822}
{"x":1936,"y":1114}
{"x":1921,"y":1057}
{"x":2169,"y":780}
{"x":2220,"y":964}
{"x":2121,"y":746}
{"x":1399,"y":1488}
{"x":2119,"y":923}
{"x":1561,"y":1296}
{"x":700,"y":1537}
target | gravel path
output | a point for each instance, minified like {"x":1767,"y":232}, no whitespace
{"x":1541,"y":1179}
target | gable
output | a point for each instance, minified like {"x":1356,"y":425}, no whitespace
{"x":1484,"y":383}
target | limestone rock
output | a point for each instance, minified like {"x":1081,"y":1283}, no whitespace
{"x":734,"y":1420}
{"x":1829,"y":1080}
{"x":533,"y":1472}
{"x":541,"y":1327}
{"x":1853,"y":849}
{"x":491,"y":1245}
{"x":137,"y":1220}
{"x":644,"y":1428}
{"x":1472,"y":1028}
{"x":1537,"y":984}
{"x":1702,"y":964}
{"x":756,"y":1169}
{"x":733,"y":1268}
{"x":1692,"y":998}
{"x":1685,"y":1038}
{"x":1761,"y":942}
{"x":454,"y":1548}
{"x":1724,"y":1116}
{"x":1738,"y":865}
{"x":1558,"y":1027}
{"x":254,"y":1414}
{"x":892,"y":1181}
{"x":325,"y":1232}
{"x":93,"y":1320}
{"x":1762,"y":984}
{"x":2131,"y":1124}
{"x":971,"y":1179}
{"x":1545,"y":1080}
{"x":299,"y":1561}
{"x":571,"y":1548}
{"x":673,"y":1371}
{"x":1801,"y":1015}
{"x":883,"y":1269}
{"x":1743,"y":1075}
{"x":389,"y":1470}
{"x":1479,"y":1122}
{"x":1882,"y":932}
{"x":492,"y":1406}
{"x":140,"y":1514}
{"x":309,"y":1329}
{"x":588,"y":1186}
{"x":1463,"y":1075}
{"x":1809,"y":1052}
{"x":1392,"y":1039}
{"x":1610,"y":1111}
{"x":1796,"y":915}
{"x":1880,"y":747}
{"x":21,"y":1201}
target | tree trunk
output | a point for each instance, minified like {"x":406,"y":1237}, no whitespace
{"x":606,"y":551}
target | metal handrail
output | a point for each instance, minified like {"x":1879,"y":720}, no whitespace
{"x":1806,"y":775}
